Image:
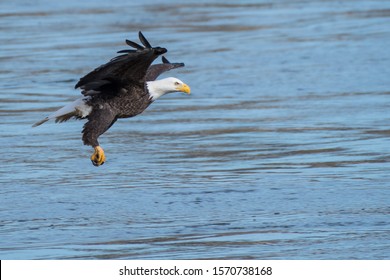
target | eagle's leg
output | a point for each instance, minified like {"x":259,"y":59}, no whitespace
{"x":98,"y":122}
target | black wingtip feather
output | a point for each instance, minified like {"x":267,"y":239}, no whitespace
{"x":159,"y":50}
{"x":144,"y":41}
{"x":164,"y":60}
{"x":134,"y":45}
{"x":126,"y":51}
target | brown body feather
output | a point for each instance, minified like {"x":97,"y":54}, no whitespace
{"x":107,"y":109}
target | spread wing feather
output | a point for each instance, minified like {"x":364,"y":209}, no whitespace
{"x":144,"y":41}
{"x":123,"y":70}
{"x":134,"y":45}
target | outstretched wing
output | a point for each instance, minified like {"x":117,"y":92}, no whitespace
{"x":156,"y":70}
{"x":123,"y":70}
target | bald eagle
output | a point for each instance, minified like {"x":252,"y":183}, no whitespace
{"x":122,"y":88}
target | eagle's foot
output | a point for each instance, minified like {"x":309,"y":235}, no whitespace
{"x":98,"y":158}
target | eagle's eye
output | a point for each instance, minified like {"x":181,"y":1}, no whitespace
{"x":177,"y":83}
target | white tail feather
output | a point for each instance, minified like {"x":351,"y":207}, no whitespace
{"x":77,"y":108}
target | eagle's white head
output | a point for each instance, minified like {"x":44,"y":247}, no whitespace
{"x":160,"y":87}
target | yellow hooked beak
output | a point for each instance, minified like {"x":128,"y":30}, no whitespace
{"x":184,"y":88}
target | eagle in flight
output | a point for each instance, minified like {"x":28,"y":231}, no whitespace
{"x":122,"y":88}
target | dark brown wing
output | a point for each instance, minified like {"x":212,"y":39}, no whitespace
{"x":156,"y":70}
{"x":123,"y":70}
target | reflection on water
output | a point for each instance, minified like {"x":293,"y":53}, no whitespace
{"x":280,"y":153}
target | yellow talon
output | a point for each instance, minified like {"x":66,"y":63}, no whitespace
{"x":98,"y":157}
